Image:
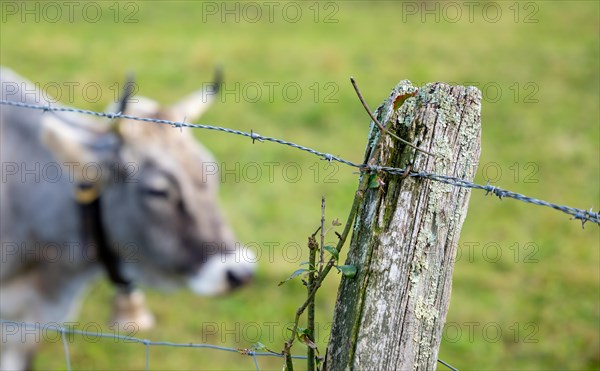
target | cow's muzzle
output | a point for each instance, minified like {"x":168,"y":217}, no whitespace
{"x":224,"y":272}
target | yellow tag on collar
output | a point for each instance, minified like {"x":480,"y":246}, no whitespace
{"x":86,"y":193}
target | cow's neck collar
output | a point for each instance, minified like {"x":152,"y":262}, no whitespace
{"x":89,"y":200}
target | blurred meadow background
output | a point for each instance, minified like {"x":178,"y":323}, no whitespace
{"x":526,"y":293}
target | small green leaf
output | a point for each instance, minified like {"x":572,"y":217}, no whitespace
{"x":318,"y":361}
{"x":347,"y":270}
{"x":295,"y":274}
{"x":336,"y":222}
{"x":373,"y":181}
{"x":258,"y":346}
{"x":333,"y":251}
{"x":301,"y":331}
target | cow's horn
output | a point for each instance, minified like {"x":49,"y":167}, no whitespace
{"x":218,"y":79}
{"x":128,"y":89}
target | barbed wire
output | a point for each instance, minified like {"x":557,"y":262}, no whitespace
{"x":64,"y":332}
{"x":579,"y":214}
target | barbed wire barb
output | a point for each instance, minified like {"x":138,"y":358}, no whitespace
{"x":180,"y":124}
{"x":579,"y":214}
{"x":255,"y":136}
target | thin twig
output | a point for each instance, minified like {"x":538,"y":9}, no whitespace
{"x":383,"y":129}
{"x":362,"y":187}
{"x":342,"y":239}
{"x":322,"y":260}
{"x":289,"y":366}
{"x":317,"y":284}
{"x":310,"y":365}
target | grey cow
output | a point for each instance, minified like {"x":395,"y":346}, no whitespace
{"x":155,"y":210}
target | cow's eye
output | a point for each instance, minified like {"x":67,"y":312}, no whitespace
{"x":162,"y":193}
{"x":156,"y":185}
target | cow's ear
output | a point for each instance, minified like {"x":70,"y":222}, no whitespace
{"x":86,"y":154}
{"x":194,"y":105}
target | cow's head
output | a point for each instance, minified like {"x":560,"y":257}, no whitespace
{"x":159,"y":206}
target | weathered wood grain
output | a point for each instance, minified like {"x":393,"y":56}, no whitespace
{"x":391,"y":314}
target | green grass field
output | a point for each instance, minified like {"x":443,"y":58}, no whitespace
{"x":527,"y":280}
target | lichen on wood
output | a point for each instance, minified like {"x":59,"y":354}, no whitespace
{"x":391,"y":314}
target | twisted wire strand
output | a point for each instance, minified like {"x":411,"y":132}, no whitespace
{"x":579,"y":214}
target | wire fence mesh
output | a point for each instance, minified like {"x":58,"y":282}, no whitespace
{"x":64,"y":333}
{"x":576,"y":213}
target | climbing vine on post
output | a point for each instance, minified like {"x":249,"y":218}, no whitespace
{"x":315,"y":274}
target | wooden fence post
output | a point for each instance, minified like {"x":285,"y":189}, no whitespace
{"x":391,"y":314}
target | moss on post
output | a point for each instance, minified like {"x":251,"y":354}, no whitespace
{"x":391,"y":314}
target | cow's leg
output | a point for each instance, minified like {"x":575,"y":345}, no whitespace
{"x":17,"y":353}
{"x":19,"y":301}
{"x":40,"y":299}
{"x":29,"y":362}
{"x":129,"y":309}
